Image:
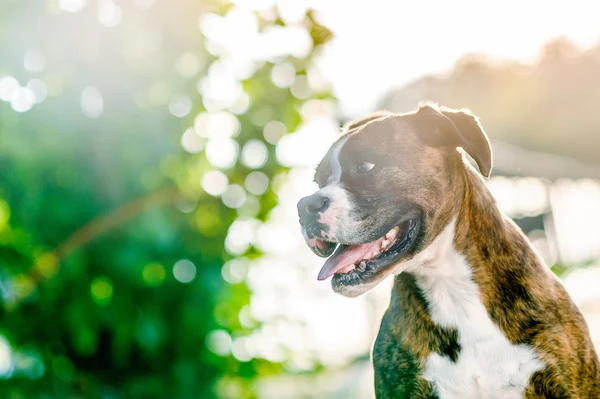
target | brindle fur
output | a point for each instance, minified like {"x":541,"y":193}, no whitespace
{"x":522,"y":296}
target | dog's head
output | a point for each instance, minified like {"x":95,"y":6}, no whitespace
{"x":380,"y":187}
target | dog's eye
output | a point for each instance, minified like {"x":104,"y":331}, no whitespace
{"x":364,"y":167}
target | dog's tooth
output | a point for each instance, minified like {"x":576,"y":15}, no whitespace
{"x":393,"y":232}
{"x":346,"y":269}
{"x":385,"y":243}
{"x":361,"y":265}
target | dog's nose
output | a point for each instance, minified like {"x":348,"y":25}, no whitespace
{"x":311,"y":205}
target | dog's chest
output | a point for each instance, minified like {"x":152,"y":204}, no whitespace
{"x":488,"y":366}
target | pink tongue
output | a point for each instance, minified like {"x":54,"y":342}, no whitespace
{"x":346,"y":256}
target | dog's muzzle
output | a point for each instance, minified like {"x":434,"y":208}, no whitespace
{"x":309,"y":211}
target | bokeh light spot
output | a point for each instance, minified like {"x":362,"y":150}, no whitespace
{"x":219,"y":342}
{"x":301,"y":88}
{"x":283,"y":74}
{"x":28,"y":363}
{"x":39,"y":89}
{"x":234,"y":271}
{"x":220,"y":88}
{"x":4,"y":214}
{"x":241,"y":349}
{"x":72,"y":5}
{"x":246,"y":319}
{"x":273,"y":131}
{"x":23,"y":286}
{"x":201,"y":123}
{"x":217,"y":124}
{"x":187,"y":64}
{"x":209,"y":23}
{"x":191,"y":141}
{"x":250,"y":209}
{"x":186,"y":205}
{"x":254,"y":154}
{"x":306,"y":145}
{"x":92,"y":103}
{"x":180,"y":106}
{"x":47,"y":264}
{"x":149,"y":333}
{"x":153,"y":274}
{"x":234,"y":196}
{"x":241,"y":105}
{"x":23,"y":99}
{"x":34,"y":61}
{"x":102,"y":290}
{"x":256,"y":183}
{"x":184,"y":271}
{"x":240,"y":235}
{"x":8,"y":87}
{"x":109,"y":14}
{"x":6,"y":362}
{"x":214,"y":182}
{"x":222,"y":152}
{"x":222,"y":124}
{"x":158,"y":93}
{"x":286,"y":40}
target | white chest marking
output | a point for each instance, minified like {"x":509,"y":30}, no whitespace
{"x":488,"y":365}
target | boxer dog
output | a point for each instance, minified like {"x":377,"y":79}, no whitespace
{"x":474,"y":311}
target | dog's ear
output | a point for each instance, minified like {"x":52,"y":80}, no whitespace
{"x":459,"y":128}
{"x":473,"y":138}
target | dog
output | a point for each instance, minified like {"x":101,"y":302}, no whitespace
{"x":474,"y":311}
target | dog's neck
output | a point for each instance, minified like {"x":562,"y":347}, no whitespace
{"x":480,"y":231}
{"x":467,"y":199}
{"x":466,"y":298}
{"x":475,"y":247}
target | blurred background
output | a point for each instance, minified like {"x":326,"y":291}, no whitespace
{"x":152,"y":153}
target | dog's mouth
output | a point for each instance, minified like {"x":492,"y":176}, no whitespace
{"x":358,"y":264}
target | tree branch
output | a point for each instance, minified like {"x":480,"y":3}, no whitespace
{"x":47,"y":264}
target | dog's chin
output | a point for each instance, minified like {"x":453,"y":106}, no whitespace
{"x":352,"y":291}
{"x":355,"y":269}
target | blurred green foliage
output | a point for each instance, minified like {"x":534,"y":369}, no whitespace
{"x":101,"y":215}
